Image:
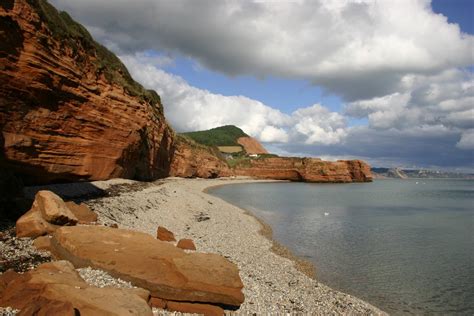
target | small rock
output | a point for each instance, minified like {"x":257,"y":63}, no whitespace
{"x":164,"y":234}
{"x":47,"y":213}
{"x":157,"y":302}
{"x":82,"y":212}
{"x":202,"y":217}
{"x":53,"y":209}
{"x":186,"y":244}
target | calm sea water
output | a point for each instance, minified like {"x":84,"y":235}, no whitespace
{"x":406,"y":246}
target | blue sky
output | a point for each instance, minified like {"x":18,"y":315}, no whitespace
{"x":390,"y":82}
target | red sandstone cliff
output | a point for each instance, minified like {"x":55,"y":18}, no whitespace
{"x":251,"y":145}
{"x":306,"y":169}
{"x":194,"y":160}
{"x":68,"y":107}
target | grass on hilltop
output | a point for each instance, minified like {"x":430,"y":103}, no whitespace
{"x":219,"y":136}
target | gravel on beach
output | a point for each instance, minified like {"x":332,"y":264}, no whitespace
{"x":272,"y":284}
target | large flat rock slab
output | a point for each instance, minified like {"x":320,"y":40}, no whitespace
{"x":165,"y":270}
{"x":55,"y":288}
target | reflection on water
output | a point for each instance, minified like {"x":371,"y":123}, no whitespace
{"x":404,"y":246}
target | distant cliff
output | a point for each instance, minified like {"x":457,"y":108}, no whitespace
{"x":398,"y":173}
{"x":267,"y":166}
{"x":305,"y":169}
{"x":191,"y":159}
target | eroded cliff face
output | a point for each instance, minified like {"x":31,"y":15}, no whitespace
{"x":69,"y":109}
{"x":251,"y":145}
{"x":191,"y":160}
{"x":306,"y":169}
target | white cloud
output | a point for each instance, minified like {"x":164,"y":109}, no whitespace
{"x":359,"y":49}
{"x":271,"y":134}
{"x":467,"y":140}
{"x":445,"y":100}
{"x":318,"y":125}
{"x":189,"y":109}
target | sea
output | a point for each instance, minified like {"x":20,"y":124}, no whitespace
{"x":405,"y":246}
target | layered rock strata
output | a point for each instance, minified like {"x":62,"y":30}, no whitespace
{"x":191,"y":160}
{"x":69,"y":109}
{"x":306,"y":169}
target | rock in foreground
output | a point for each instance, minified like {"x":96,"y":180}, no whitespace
{"x":57,"y":289}
{"x":49,"y":212}
{"x":163,"y":269}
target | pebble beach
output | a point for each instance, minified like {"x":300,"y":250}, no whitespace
{"x":273,"y":284}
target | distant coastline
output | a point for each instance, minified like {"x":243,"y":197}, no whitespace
{"x":399,"y":173}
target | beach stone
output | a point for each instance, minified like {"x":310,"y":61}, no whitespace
{"x":165,"y":270}
{"x":53,"y":209}
{"x":157,"y":302}
{"x":164,"y":234}
{"x":42,"y":243}
{"x":194,"y":308}
{"x":187,"y":244}
{"x":82,"y":212}
{"x":55,"y":288}
{"x":32,"y":224}
{"x":46,"y":214}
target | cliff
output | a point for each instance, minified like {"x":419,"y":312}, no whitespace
{"x":191,"y":160}
{"x":69,"y":109}
{"x":251,"y":145}
{"x":305,"y":169}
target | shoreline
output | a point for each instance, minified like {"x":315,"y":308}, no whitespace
{"x":303,"y":265}
{"x":274,"y":281}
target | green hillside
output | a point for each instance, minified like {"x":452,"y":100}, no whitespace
{"x":74,"y":35}
{"x":219,"y":136}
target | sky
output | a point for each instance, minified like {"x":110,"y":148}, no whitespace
{"x":390,"y":82}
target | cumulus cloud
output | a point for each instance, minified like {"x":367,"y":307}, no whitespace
{"x":319,"y":125}
{"x":189,"y":108}
{"x":444,"y":100}
{"x":358,"y":49}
